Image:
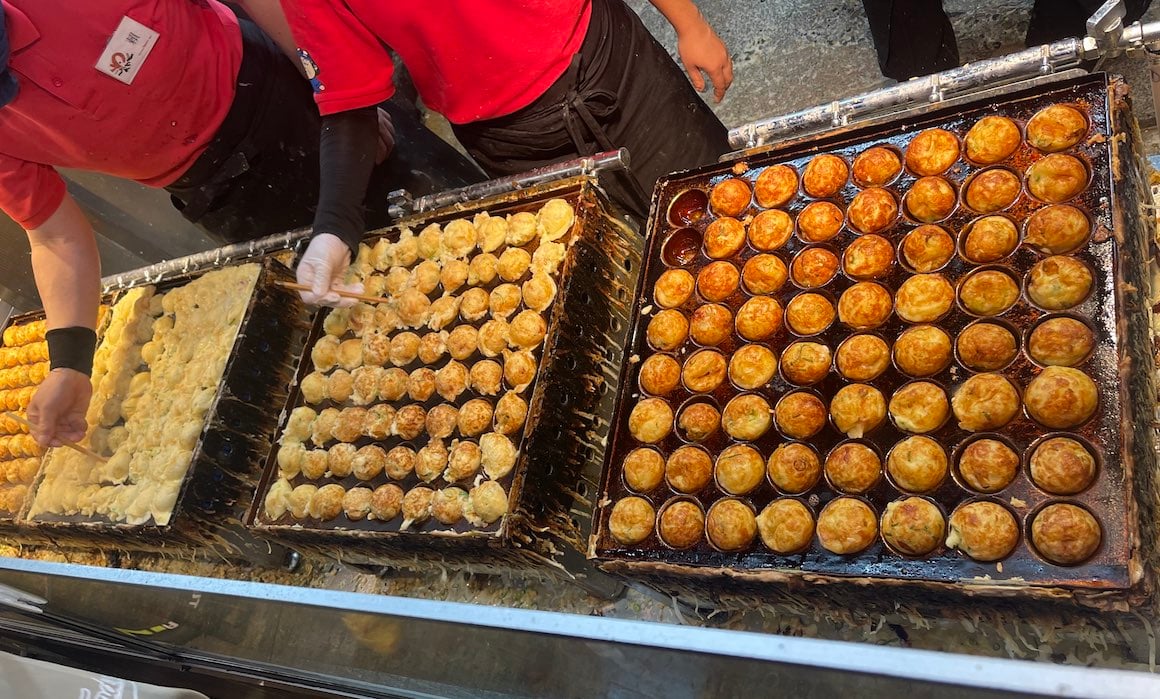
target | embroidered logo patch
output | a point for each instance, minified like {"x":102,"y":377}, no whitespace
{"x":311,"y":69}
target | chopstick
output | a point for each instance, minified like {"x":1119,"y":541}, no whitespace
{"x":71,"y":445}
{"x":345,"y":294}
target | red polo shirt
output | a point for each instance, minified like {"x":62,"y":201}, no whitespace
{"x":69,"y":113}
{"x":470,"y":60}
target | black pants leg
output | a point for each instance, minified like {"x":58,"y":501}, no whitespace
{"x":912,"y":37}
{"x":1052,"y":20}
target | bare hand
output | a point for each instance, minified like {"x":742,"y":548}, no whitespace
{"x":702,"y":51}
{"x":386,"y":137}
{"x":57,"y":411}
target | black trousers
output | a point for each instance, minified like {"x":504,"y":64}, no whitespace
{"x":622,"y":90}
{"x":260,"y":175}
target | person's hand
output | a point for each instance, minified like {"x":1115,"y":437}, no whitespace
{"x":386,"y":137}
{"x":701,"y":50}
{"x":57,"y":411}
{"x":321,"y":268}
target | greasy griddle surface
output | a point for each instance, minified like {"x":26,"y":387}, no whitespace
{"x":1106,"y":497}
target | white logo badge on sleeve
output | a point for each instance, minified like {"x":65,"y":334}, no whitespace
{"x":127,"y":50}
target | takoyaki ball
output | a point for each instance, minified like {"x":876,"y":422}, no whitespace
{"x":988,"y":465}
{"x":1061,"y":397}
{"x":459,"y":237}
{"x":717,"y":281}
{"x":988,"y":292}
{"x":322,"y":429}
{"x":413,"y":307}
{"x":868,"y":257}
{"x":846,"y":525}
{"x":521,"y":228}
{"x":421,"y":384}
{"x":290,"y":456}
{"x":800,"y":415}
{"x":992,"y":139}
{"x":704,"y":371}
{"x":398,"y":278}
{"x":417,"y":505}
{"x":857,"y":409}
{"x":913,"y":526}
{"x":864,"y":306}
{"x":313,"y":387}
{"x":527,"y":330}
{"x":350,"y":423}
{"x":1056,"y":127}
{"x":448,"y":504}
{"x":432,"y":347}
{"x":872,"y":210}
{"x":644,"y":469}
{"x":489,"y":502}
{"x":752,"y":366}
{"x":404,"y":348}
{"x":1056,"y":178}
{"x":430,"y":461}
{"x":819,"y":221}
{"x":932,"y":152}
{"x":699,"y":421}
{"x":711,"y":324}
{"x":1059,"y":282}
{"x":730,"y":197}
{"x":369,"y":462}
{"x":862,"y":357}
{"x":992,"y":190}
{"x":930,"y":199}
{"x":673,"y":288}
{"x":805,"y":363}
{"x":337,"y":322}
{"x":315,"y":463}
{"x":983,"y":530}
{"x":1057,"y":229}
{"x":730,"y":525}
{"x":474,"y":304}
{"x":758,"y":318}
{"x":1062,"y":466}
{"x":746,"y":417}
{"x":986,"y":346}
{"x":786,"y":526}
{"x":326,"y":502}
{"x":482,"y":269}
{"x":513,"y":263}
{"x":493,"y":337}
{"x":876,"y":166}
{"x":486,"y":377}
{"x":809,"y":313}
{"x":451,"y":380}
{"x":463,"y":462}
{"x":443,"y":311}
{"x":924,"y":298}
{"x":400,"y":462}
{"x":794,"y":467}
{"x":724,"y":237}
{"x":985,"y":402}
{"x":764,"y":274}
{"x":667,"y":330}
{"x":775,"y":186}
{"x":474,"y":417}
{"x":365,"y":380}
{"x":386,"y":502}
{"x":853,"y":468}
{"x":769,"y":230}
{"x":651,"y":420}
{"x":492,"y":230}
{"x":499,"y":455}
{"x":356,"y":503}
{"x":519,"y":368}
{"x":1065,"y":534}
{"x":825,"y":175}
{"x":324,"y":354}
{"x":631,"y":521}
{"x":1061,"y":342}
{"x":393,"y":384}
{"x":990,"y":238}
{"x":922,"y":350}
{"x":340,"y":386}
{"x":681,"y":524}
{"x":340,"y":459}
{"x":504,"y":300}
{"x":659,"y":375}
{"x":453,"y":275}
{"x":410,"y":421}
{"x":814,"y":267}
{"x":927,"y":248}
{"x":689,"y":469}
{"x":917,"y":464}
{"x":739,"y":469}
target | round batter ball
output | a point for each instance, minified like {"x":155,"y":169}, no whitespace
{"x":857,"y":409}
{"x":489,"y":502}
{"x":1061,"y":341}
{"x":924,"y":298}
{"x":651,"y":420}
{"x":786,"y":526}
{"x":865,"y":305}
{"x":326,"y":502}
{"x":930,"y":199}
{"x":667,"y":330}
{"x":448,"y":504}
{"x":493,"y":337}
{"x":989,"y":239}
{"x":739,"y":469}
{"x":1065,"y":534}
{"x":689,"y":469}
{"x":399,"y":462}
{"x":699,"y":421}
{"x":644,"y":469}
{"x":919,"y":407}
{"x":913,"y":526}
{"x":730,"y":197}
{"x":717,"y":281}
{"x":704,"y":371}
{"x":800,"y":415}
{"x":758,"y":318}
{"x":809,"y":313}
{"x":1062,"y":466}
{"x":475,"y":417}
{"x":991,"y":139}
{"x":356,"y":503}
{"x":752,"y":366}
{"x":985,"y":402}
{"x":441,"y":420}
{"x":985,"y":346}
{"x":386,"y":502}
{"x":917,"y":465}
{"x":764,"y":274}
{"x":853,"y":468}
{"x":988,"y":465}
{"x":794,"y":467}
{"x":876,"y":166}
{"x":673,"y":288}
{"x":340,"y":386}
{"x":711,"y":324}
{"x":983,"y":530}
{"x":631,"y":520}
{"x":863,"y":357}
{"x":1061,"y":397}
{"x":1057,"y":229}
{"x":775,"y":186}
{"x":846,"y":526}
{"x":527,"y":330}
{"x":814,"y":267}
{"x":805,"y":363}
{"x":825,"y":175}
{"x":746,"y":417}
{"x":868,"y":257}
{"x":873,"y":210}
{"x":770,"y":230}
{"x":731,"y":525}
{"x":474,"y":304}
{"x":988,"y":292}
{"x":819,"y":221}
{"x":487,"y":377}
{"x":1056,"y":178}
{"x":923,"y":350}
{"x":1059,"y":282}
{"x":992,"y":190}
{"x":520,"y":370}
{"x":927,"y":248}
{"x":681,"y":523}
{"x":393,"y":384}
{"x":932,"y":152}
{"x":724,"y":238}
{"x":1056,"y":127}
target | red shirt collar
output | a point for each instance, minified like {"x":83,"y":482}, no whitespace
{"x":22,"y":33}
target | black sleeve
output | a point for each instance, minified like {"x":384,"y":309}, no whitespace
{"x":346,"y":158}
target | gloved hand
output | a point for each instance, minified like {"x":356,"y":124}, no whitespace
{"x":322,"y":267}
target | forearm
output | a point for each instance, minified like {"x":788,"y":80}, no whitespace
{"x":268,"y":15}
{"x":67,"y":267}
{"x":349,"y":142}
{"x":682,"y":14}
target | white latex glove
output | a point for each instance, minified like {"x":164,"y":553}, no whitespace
{"x":321,"y":268}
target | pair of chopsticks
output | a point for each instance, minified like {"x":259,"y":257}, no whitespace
{"x":71,"y":445}
{"x":345,"y":294}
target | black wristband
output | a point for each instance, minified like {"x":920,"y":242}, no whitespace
{"x":71,"y":348}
